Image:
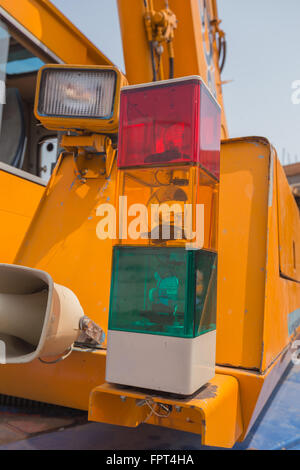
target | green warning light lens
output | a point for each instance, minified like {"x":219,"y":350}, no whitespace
{"x":163,"y":291}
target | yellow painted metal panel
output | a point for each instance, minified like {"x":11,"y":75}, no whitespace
{"x":49,"y":26}
{"x":257,"y":213}
{"x":255,"y":301}
{"x":242,"y":251}
{"x":256,"y":387}
{"x":19,"y":199}
{"x":289,"y":228}
{"x":70,"y":382}
{"x":214,"y":413}
{"x":62,"y":238}
{"x":282,"y":296}
{"x":135,"y":46}
{"x":67,"y":383}
{"x":188,"y":37}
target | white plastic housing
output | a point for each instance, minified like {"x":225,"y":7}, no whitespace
{"x":162,"y":363}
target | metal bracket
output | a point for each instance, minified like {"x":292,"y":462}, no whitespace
{"x":91,"y":333}
{"x":160,"y":28}
{"x":94,"y":155}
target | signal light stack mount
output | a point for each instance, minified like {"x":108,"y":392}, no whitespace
{"x":162,"y":319}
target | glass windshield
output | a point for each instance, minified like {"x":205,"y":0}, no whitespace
{"x":18,"y":68}
{"x":20,"y":60}
{"x":4,"y":47}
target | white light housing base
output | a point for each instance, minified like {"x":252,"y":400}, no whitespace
{"x":162,"y":363}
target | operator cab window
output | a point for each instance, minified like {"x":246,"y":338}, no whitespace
{"x":24,"y":143}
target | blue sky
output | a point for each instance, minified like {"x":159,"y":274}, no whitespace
{"x":263,"y":61}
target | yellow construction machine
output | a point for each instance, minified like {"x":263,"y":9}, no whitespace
{"x":190,"y":328}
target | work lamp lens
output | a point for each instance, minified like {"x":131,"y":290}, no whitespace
{"x":77,"y":93}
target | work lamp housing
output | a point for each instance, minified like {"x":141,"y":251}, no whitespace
{"x":83,"y":98}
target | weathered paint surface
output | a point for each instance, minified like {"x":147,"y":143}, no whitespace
{"x":62,"y":240}
{"x":277,"y":428}
{"x":255,"y":297}
{"x":242,"y":251}
{"x":19,"y":199}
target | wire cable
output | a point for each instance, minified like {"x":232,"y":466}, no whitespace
{"x":224,"y":53}
{"x":59,"y":359}
{"x":152,"y":405}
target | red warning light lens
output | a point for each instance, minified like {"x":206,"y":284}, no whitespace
{"x":174,"y":122}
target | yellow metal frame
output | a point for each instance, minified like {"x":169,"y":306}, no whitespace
{"x":45,"y":31}
{"x":16,"y":211}
{"x":42,"y":20}
{"x":109,"y":125}
{"x":250,"y":353}
{"x":187,"y":37}
{"x":253,"y":295}
{"x":257,"y":286}
{"x":218,"y":402}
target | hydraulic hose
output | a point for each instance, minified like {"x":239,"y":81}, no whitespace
{"x":153,"y":62}
{"x":223,"y":52}
{"x":171,"y":62}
